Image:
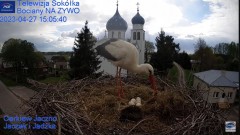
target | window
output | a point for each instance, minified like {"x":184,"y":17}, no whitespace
{"x":119,"y":35}
{"x":229,"y":95}
{"x":134,"y":35}
{"x":138,"y":36}
{"x":112,"y":34}
{"x":215,"y":94}
{"x":223,"y":95}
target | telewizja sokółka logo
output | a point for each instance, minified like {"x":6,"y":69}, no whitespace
{"x":7,"y":6}
{"x":230,"y":126}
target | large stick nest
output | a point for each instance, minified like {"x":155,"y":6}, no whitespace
{"x":91,"y":106}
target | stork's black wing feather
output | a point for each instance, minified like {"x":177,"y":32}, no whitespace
{"x":101,"y":50}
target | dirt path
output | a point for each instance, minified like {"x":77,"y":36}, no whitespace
{"x":181,"y":75}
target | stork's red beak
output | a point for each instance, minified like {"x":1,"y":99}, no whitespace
{"x":153,"y":83}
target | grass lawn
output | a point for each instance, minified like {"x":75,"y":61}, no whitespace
{"x":8,"y":81}
{"x":173,"y":74}
{"x":188,"y":77}
{"x":53,"y":80}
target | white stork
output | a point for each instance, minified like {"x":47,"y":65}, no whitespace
{"x":125,"y":55}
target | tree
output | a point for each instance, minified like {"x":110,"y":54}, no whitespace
{"x":205,"y":55}
{"x":228,"y":55}
{"x":19,"y":53}
{"x":149,"y":49}
{"x":230,"y":49}
{"x":184,"y":60}
{"x":84,"y":61}
{"x":162,"y":60}
{"x":233,"y":50}
{"x":221,"y":48}
{"x":1,"y":47}
{"x":199,"y":51}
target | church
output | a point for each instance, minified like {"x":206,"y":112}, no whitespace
{"x":116,"y":28}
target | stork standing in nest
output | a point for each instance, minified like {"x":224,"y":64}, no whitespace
{"x":124,"y":55}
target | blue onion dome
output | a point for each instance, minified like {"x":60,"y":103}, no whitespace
{"x":138,"y":19}
{"x":117,"y":22}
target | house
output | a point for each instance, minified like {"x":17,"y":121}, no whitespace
{"x":5,"y":64}
{"x":217,"y":85}
{"x":59,"y":62}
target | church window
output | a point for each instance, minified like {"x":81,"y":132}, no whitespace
{"x":119,"y":35}
{"x":134,"y":35}
{"x":112,"y":34}
{"x":138,"y":36}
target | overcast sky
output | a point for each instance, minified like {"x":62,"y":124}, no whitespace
{"x":215,"y":21}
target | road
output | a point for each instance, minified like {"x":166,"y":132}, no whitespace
{"x":181,"y":75}
{"x":9,"y":103}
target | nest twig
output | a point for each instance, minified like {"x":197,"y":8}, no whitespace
{"x":90,"y":106}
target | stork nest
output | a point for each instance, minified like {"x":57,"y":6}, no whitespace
{"x":91,"y":106}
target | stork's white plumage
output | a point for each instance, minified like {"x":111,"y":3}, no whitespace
{"x":124,"y":55}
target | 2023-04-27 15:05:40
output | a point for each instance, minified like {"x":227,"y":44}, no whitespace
{"x":20,"y":19}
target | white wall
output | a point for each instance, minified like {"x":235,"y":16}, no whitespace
{"x":221,"y":90}
{"x":115,"y":34}
{"x":140,"y":44}
{"x":200,"y":85}
{"x":209,"y":91}
{"x":109,"y":68}
{"x":138,"y":26}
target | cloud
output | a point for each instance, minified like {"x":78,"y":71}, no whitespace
{"x":186,"y":20}
{"x":70,"y":34}
{"x":190,"y":36}
{"x":221,"y":25}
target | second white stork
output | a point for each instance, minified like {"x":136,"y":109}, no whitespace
{"x":125,"y":55}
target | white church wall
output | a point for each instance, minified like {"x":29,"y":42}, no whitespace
{"x":109,"y":68}
{"x":139,"y":42}
{"x":116,"y":34}
{"x":138,"y":26}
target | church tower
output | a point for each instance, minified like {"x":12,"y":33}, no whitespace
{"x":138,"y":34}
{"x":117,"y":26}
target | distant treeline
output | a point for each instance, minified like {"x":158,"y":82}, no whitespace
{"x":57,"y":53}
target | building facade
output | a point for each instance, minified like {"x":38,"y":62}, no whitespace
{"x":217,"y":85}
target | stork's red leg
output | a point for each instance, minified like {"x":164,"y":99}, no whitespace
{"x":122,"y":93}
{"x":153,"y":84}
{"x":117,"y":79}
